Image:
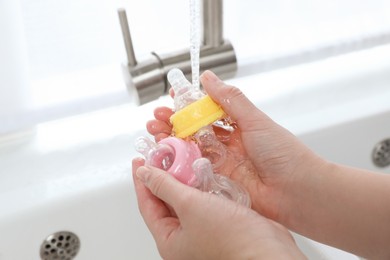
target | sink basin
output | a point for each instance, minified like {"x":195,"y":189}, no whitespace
{"x":75,"y":174}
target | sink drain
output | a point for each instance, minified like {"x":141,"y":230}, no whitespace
{"x":61,"y":245}
{"x":381,"y":154}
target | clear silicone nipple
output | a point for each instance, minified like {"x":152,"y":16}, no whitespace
{"x":185,"y":92}
{"x":161,"y":156}
{"x":218,"y":184}
{"x":211,"y":147}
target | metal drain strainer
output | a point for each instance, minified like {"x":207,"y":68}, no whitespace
{"x":381,"y":154}
{"x":61,"y":245}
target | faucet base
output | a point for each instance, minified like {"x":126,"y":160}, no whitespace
{"x":148,"y":79}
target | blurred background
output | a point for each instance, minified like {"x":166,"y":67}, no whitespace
{"x":68,"y":52}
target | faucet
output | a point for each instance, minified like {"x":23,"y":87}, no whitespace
{"x":147,"y":79}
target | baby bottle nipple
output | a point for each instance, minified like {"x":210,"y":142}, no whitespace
{"x":218,"y":184}
{"x":194,"y":109}
{"x":171,"y":154}
{"x":185,"y":92}
{"x":195,"y":112}
{"x":157,"y":155}
{"x":210,"y":147}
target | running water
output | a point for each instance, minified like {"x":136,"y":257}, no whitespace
{"x":195,"y":40}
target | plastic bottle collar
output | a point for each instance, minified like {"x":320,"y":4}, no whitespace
{"x":193,"y":117}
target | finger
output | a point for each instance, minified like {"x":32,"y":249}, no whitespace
{"x":171,"y":92}
{"x":160,"y":136}
{"x":163,"y":113}
{"x":231,"y":99}
{"x":146,"y":200}
{"x":140,"y":189}
{"x":155,"y":127}
{"x":163,"y":186}
{"x":156,"y":214}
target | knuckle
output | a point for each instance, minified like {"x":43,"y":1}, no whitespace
{"x":232,"y":92}
{"x":157,"y":184}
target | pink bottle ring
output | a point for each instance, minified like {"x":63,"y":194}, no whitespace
{"x":185,"y":154}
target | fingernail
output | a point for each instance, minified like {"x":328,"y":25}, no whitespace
{"x":143,"y":173}
{"x":210,"y":76}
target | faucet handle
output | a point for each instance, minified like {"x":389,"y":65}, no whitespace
{"x":213,"y":23}
{"x":145,"y":80}
{"x":132,"y":61}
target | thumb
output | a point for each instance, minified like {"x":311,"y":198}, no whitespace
{"x":232,"y":100}
{"x":162,"y":185}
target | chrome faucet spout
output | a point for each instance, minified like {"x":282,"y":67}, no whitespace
{"x":147,"y":79}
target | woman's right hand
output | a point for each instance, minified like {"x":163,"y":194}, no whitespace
{"x":325,"y":201}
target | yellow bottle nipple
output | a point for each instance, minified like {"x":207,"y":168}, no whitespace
{"x":193,"y":117}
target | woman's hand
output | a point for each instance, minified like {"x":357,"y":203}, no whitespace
{"x":204,"y":226}
{"x":274,"y":156}
{"x":290,"y":184}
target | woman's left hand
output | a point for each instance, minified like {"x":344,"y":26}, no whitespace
{"x":189,"y":224}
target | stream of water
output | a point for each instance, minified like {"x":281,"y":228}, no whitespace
{"x":195,"y":40}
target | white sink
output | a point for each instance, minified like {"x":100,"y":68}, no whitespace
{"x":75,"y":174}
